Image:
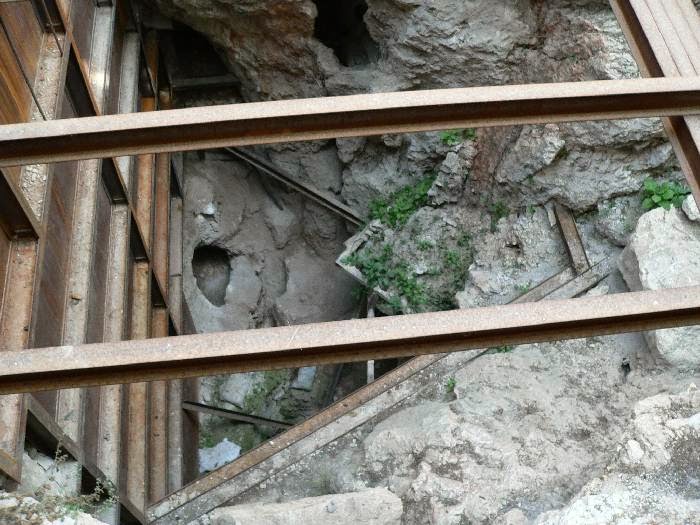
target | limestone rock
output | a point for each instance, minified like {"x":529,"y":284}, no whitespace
{"x":690,"y":208}
{"x":218,"y":455}
{"x":20,"y":509}
{"x":663,"y":253}
{"x":305,"y":378}
{"x":617,"y":218}
{"x":45,"y":474}
{"x":237,"y":386}
{"x":652,"y":480}
{"x":312,"y":295}
{"x":368,"y":507}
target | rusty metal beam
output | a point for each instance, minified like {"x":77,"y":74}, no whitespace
{"x":193,"y":406}
{"x":659,"y":52}
{"x":267,"y":168}
{"x":344,"y":341}
{"x":346,"y":116}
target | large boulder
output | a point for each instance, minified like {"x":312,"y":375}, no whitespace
{"x":664,"y":252}
{"x":368,"y":507}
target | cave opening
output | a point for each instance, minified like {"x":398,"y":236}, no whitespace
{"x":340,"y":25}
{"x":211,"y":267}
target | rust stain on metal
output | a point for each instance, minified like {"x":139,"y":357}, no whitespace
{"x":346,"y":341}
{"x":346,"y":116}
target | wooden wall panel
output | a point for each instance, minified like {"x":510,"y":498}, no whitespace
{"x":158,"y":446}
{"x":82,"y":18}
{"x":50,"y":299}
{"x":135,"y":428}
{"x":15,"y":97}
{"x":98,"y":278}
{"x":26,"y":33}
{"x":97,"y":315}
{"x":5,"y":245}
{"x":161,"y":226}
{"x":111,"y":105}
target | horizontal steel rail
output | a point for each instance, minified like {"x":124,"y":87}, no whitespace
{"x":193,"y":406}
{"x":344,"y":341}
{"x":306,"y":190}
{"x":346,"y":116}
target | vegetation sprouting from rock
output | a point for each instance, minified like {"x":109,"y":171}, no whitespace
{"x":663,"y":195}
{"x":400,"y":205}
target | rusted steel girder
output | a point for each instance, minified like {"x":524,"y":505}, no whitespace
{"x":346,"y":116}
{"x":664,"y":37}
{"x":344,"y":341}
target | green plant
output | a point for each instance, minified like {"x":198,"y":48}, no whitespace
{"x":424,"y":245}
{"x":453,"y":260}
{"x":379,"y":270}
{"x":455,"y":136}
{"x":502,"y":349}
{"x":525,"y":287}
{"x":464,"y":240}
{"x":498,"y":210}
{"x":400,"y":205}
{"x":206,"y":439}
{"x":450,"y":385}
{"x":663,"y":195}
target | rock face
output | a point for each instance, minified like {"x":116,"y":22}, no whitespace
{"x":217,"y":456}
{"x":367,"y":507}
{"x":25,"y":510}
{"x":663,"y":253}
{"x":540,"y":432}
{"x":568,"y":432}
{"x":653,"y":480}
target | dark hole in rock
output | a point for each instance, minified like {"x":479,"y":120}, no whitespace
{"x":212,"y":270}
{"x":340,"y":25}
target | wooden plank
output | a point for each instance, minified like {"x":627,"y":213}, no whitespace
{"x":82,"y":19}
{"x":15,"y":317}
{"x":175,"y":263}
{"x":161,"y":226}
{"x":346,"y":116}
{"x":26,"y":33}
{"x":16,"y":217}
{"x":158,"y":460}
{"x":572,"y":239}
{"x":135,"y":427}
{"x":346,"y":341}
{"x":585,"y":281}
{"x":54,"y":259}
{"x":142,"y":195}
{"x":190,"y":433}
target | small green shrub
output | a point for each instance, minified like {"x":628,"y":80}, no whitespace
{"x":464,"y":240}
{"x":453,"y":137}
{"x":400,"y":205}
{"x":425,"y":245}
{"x":503,"y":349}
{"x":663,"y":195}
{"x":523,"y":288}
{"x":498,"y":210}
{"x":450,"y":385}
{"x":379,"y":269}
